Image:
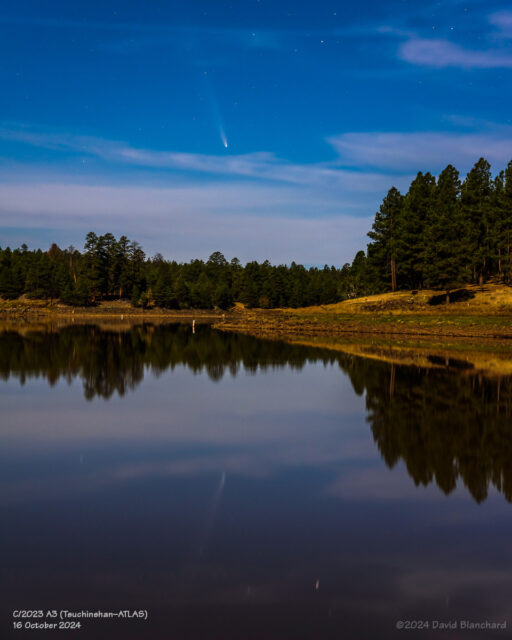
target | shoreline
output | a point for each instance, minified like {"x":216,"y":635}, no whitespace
{"x":332,"y":321}
{"x":470,"y":343}
{"x":268,"y":323}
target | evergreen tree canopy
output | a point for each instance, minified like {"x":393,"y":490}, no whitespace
{"x":382,"y":252}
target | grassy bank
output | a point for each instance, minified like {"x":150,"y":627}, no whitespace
{"x":474,"y":312}
{"x":326,"y":323}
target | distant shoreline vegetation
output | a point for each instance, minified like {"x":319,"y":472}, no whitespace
{"x":442,"y":234}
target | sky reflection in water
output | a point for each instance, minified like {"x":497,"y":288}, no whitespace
{"x":226,"y":477}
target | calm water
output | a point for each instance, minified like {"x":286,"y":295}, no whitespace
{"x":238,"y":488}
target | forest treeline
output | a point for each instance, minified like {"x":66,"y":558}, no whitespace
{"x":442,"y":234}
{"x":109,"y":269}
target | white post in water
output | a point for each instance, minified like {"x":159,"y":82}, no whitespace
{"x":193,"y":326}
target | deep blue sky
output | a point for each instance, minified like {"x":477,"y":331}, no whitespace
{"x":114,"y":117}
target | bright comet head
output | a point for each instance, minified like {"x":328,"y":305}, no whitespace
{"x":223,"y":137}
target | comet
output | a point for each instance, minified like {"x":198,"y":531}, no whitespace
{"x":223,"y":137}
{"x":210,"y":93}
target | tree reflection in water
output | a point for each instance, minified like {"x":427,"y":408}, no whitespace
{"x":445,"y":423}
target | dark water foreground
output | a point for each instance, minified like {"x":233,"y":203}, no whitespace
{"x":240,"y":488}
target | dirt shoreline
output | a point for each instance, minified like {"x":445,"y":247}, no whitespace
{"x":328,"y":321}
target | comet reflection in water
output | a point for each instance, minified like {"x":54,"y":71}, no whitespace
{"x":212,"y":512}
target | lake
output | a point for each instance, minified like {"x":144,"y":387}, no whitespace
{"x":242,"y":488}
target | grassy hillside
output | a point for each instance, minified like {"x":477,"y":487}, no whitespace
{"x":489,"y":299}
{"x":483,"y":312}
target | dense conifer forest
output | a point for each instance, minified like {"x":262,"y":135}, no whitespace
{"x":442,"y":234}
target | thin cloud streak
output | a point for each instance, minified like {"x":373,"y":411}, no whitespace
{"x":426,"y":151}
{"x":366,"y":162}
{"x":442,"y":53}
{"x":258,"y":165}
{"x":502,"y":20}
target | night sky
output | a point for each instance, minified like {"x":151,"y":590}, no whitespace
{"x":262,"y":129}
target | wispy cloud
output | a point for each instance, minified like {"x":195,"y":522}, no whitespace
{"x":258,"y":165}
{"x":442,"y":53}
{"x":502,"y":20}
{"x":366,"y":160}
{"x":429,"y":150}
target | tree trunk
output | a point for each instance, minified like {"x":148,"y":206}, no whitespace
{"x":393,"y":274}
{"x":72,"y":268}
{"x":508,"y":260}
{"x":447,"y":297}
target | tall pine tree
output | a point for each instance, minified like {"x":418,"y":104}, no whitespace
{"x":411,"y":231}
{"x":382,"y":252}
{"x":505,"y":239}
{"x":445,"y":252}
{"x":476,"y":205}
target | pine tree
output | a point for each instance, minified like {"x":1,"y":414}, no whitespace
{"x":496,"y":223}
{"x":181,"y":291}
{"x":475,"y":199}
{"x":7,"y":289}
{"x":95,"y":265}
{"x":250,"y":285}
{"x":112,"y":265}
{"x":122,"y":267}
{"x":382,"y":252}
{"x":135,"y":299}
{"x":506,"y":223}
{"x":201,"y":292}
{"x":63,"y":280}
{"x":222,"y":297}
{"x":445,"y":254}
{"x":411,"y":237}
{"x":45,"y":277}
{"x":136,"y":259}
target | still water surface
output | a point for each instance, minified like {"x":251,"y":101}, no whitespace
{"x":240,"y":488}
